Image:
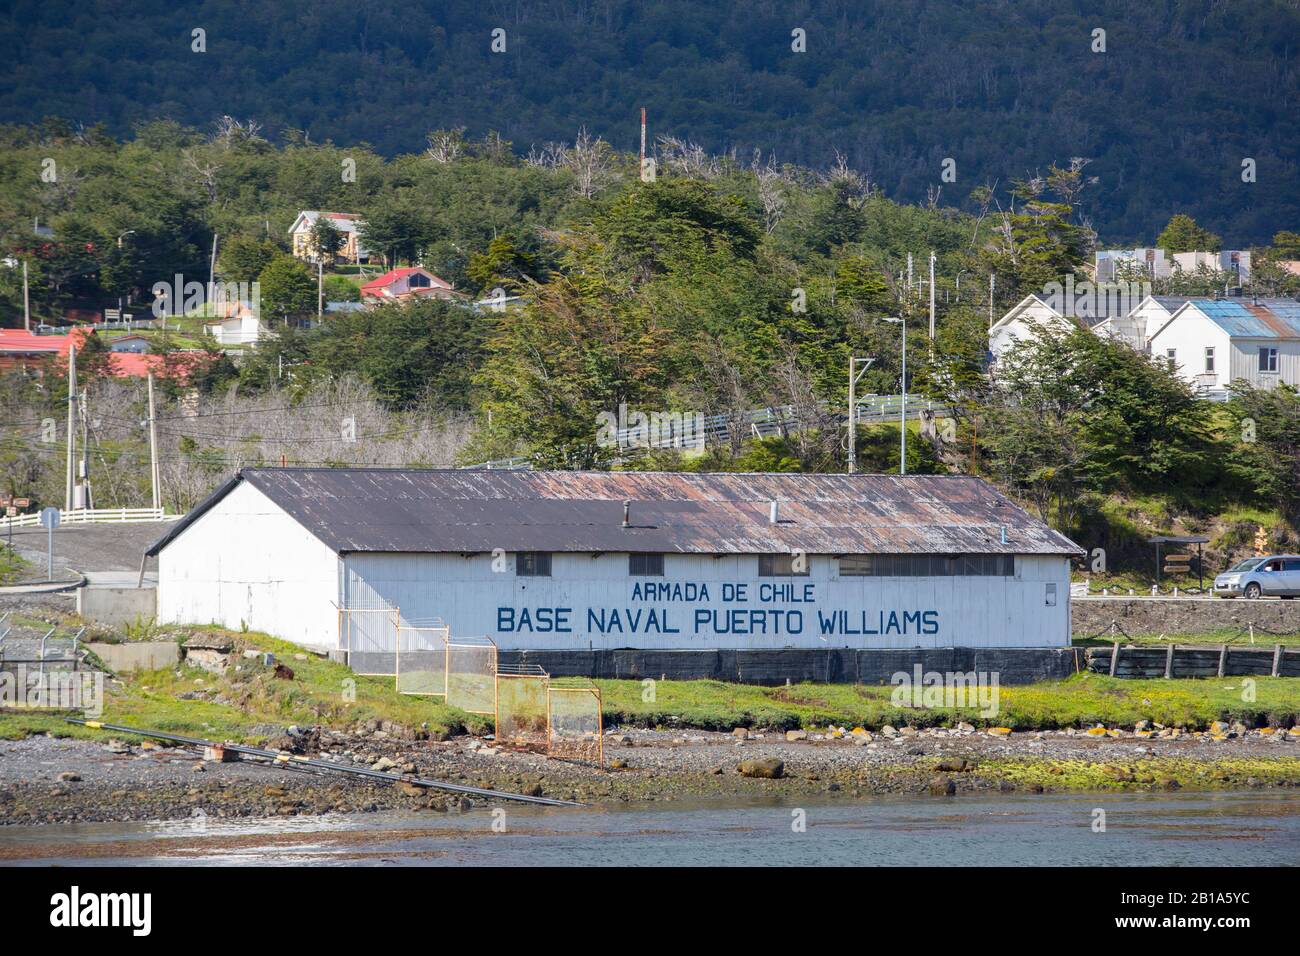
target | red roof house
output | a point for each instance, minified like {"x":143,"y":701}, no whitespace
{"x":399,"y":285}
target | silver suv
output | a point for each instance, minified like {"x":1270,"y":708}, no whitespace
{"x":1274,"y":575}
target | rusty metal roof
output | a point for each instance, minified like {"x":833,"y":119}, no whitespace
{"x":409,"y":510}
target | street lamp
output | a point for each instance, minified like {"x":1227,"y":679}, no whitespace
{"x":902,"y":416}
{"x":119,"y":245}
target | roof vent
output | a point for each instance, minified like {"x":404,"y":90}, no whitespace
{"x":774,"y":513}
{"x":627,"y":514}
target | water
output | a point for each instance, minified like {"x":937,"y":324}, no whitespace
{"x":1220,"y":829}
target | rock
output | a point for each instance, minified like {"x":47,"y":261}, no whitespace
{"x":534,"y":791}
{"x":69,"y":776}
{"x":740,"y":733}
{"x":1219,"y":728}
{"x":942,"y":787}
{"x":793,"y":735}
{"x":116,"y":746}
{"x":412,"y":789}
{"x":617,"y":763}
{"x":283,"y":672}
{"x":888,"y":731}
{"x":953,"y":766}
{"x":908,"y":731}
{"x":1119,"y":774}
{"x":1142,"y":725}
{"x":966,"y":728}
{"x":767,"y":768}
{"x":383,"y":763}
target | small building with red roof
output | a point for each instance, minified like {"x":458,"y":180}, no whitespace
{"x":399,"y":285}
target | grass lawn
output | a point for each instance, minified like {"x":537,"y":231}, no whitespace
{"x":251,"y":705}
{"x":13,"y":567}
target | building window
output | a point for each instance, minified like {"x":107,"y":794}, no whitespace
{"x":1171,"y":356}
{"x":782,"y":566}
{"x":645,"y":565}
{"x":927,"y":565}
{"x":418,"y":280}
{"x":1268,"y":360}
{"x":533,"y":564}
{"x":1209,"y":360}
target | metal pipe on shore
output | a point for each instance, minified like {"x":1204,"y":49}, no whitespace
{"x":280,"y":756}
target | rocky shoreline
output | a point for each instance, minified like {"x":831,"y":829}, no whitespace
{"x":47,"y":780}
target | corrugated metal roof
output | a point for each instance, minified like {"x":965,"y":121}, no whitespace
{"x":1271,"y":319}
{"x":383,"y":510}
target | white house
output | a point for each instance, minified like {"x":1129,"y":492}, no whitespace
{"x":1065,"y":307}
{"x":609,"y":560}
{"x":348,"y":224}
{"x":1136,"y":327}
{"x":1215,"y":342}
{"x":1235,"y":261}
{"x":241,"y":325}
{"x":1111,"y":264}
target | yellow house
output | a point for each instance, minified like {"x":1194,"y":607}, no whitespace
{"x":345,"y":222}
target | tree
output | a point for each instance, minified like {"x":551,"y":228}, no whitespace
{"x":396,"y":230}
{"x":324,"y":240}
{"x":1286,"y":245}
{"x":1182,"y":234}
{"x":244,"y":257}
{"x":407,"y":352}
{"x":288,"y":288}
{"x":1266,"y":454}
{"x":505,"y":264}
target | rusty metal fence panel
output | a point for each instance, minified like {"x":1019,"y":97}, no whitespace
{"x":574,"y":727}
{"x":523,"y":700}
{"x":422,"y":657}
{"x":472,"y":674}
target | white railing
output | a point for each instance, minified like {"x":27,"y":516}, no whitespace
{"x":90,"y":516}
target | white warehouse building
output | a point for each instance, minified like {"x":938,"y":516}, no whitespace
{"x":606,"y":560}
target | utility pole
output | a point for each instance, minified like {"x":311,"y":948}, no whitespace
{"x":27,"y":305}
{"x":320,"y":288}
{"x":932,"y":260}
{"x":153,"y":450}
{"x":72,"y":437}
{"x":909,"y":275}
{"x":212,"y":272}
{"x":84,"y":412}
{"x":854,"y":377}
{"x":902,"y":415}
{"x":992,"y":281}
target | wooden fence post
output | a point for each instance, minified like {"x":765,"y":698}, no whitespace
{"x":1223,"y":659}
{"x":1277,"y":660}
{"x":1169,"y":662}
{"x":1114,"y":658}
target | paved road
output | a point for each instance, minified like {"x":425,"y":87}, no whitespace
{"x":104,"y":552}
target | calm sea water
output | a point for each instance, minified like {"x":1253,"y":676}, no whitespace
{"x":1228,"y":829}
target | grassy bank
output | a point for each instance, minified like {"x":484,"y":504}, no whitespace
{"x":252,"y":704}
{"x":13,"y":567}
{"x":1080,"y":701}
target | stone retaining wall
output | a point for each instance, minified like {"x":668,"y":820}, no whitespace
{"x":1138,"y":616}
{"x":1015,"y":665}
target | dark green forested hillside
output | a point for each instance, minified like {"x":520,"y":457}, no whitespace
{"x":1185,"y":90}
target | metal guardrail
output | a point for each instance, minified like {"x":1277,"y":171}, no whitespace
{"x":716,"y":429}
{"x":91,"y":516}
